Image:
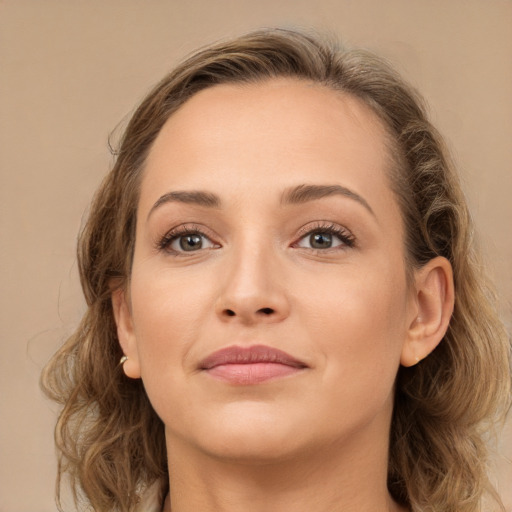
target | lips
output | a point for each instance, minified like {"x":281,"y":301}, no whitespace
{"x":250,"y":365}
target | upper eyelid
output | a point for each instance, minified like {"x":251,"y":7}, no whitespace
{"x":319,"y":225}
{"x":186,"y":228}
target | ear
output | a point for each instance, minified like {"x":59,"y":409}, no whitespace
{"x":434,"y":300}
{"x":126,"y":333}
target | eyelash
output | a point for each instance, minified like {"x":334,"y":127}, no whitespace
{"x":341,"y":233}
{"x":165,"y":242}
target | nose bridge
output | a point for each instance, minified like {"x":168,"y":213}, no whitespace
{"x":252,"y":289}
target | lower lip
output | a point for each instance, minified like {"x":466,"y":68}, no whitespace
{"x":253,"y":373}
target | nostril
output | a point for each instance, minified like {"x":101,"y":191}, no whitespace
{"x":262,"y":311}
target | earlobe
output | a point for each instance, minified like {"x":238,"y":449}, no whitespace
{"x":126,"y":333}
{"x":434,"y":296}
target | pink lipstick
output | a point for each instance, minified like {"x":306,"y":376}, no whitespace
{"x":250,"y":365}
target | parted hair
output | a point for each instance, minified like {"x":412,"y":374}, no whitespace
{"x":111,"y":442}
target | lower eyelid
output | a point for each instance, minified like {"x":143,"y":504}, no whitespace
{"x":169,"y":243}
{"x":338,"y":243}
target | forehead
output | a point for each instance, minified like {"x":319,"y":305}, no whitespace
{"x":299,"y":106}
{"x":278,"y":132}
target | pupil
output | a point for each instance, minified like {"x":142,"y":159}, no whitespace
{"x":321,"y":240}
{"x":191,"y":242}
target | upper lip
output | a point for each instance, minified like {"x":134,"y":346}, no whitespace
{"x":249,"y":355}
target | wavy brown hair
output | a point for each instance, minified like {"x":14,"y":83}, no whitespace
{"x":110,"y":440}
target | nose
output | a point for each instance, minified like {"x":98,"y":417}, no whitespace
{"x":253,"y":289}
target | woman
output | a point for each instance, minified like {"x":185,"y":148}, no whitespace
{"x":285,"y":308}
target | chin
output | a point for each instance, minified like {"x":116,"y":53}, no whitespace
{"x":252,"y":448}
{"x":250,"y":434}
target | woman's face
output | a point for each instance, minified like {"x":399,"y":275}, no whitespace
{"x":266,"y":223}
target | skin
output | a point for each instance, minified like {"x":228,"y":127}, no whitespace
{"x":315,"y":440}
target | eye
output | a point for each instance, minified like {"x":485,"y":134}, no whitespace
{"x":328,"y":237}
{"x":184,"y":240}
{"x":191,"y":242}
{"x":320,"y":240}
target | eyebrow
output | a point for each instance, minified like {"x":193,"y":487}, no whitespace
{"x":196,"y":197}
{"x":295,"y":195}
{"x":304,"y":193}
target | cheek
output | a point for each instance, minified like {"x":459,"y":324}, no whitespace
{"x":169,"y":311}
{"x":359,"y":324}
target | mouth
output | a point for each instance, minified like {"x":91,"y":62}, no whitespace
{"x":250,"y":365}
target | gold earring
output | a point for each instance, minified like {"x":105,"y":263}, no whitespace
{"x":123,"y":360}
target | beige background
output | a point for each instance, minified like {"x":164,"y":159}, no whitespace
{"x":72,"y":70}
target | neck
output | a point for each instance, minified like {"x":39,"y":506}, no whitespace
{"x":337,"y":478}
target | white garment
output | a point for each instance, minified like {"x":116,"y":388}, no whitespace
{"x":152,"y":500}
